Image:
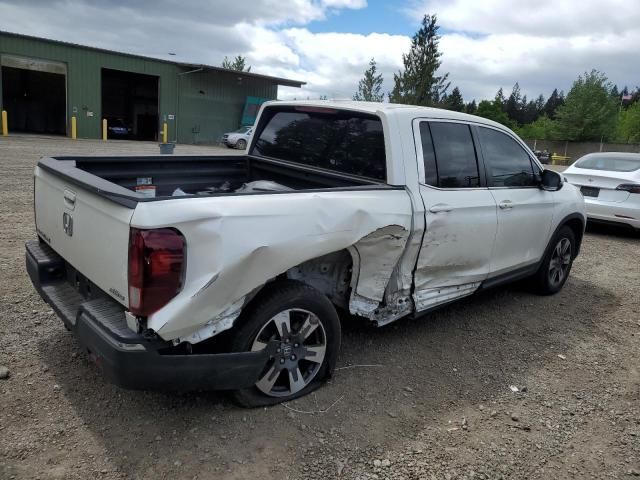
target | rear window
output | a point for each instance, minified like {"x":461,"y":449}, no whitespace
{"x":346,"y":142}
{"x":611,"y":163}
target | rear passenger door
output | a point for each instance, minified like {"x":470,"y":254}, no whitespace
{"x":461,"y":218}
{"x":524,"y":210}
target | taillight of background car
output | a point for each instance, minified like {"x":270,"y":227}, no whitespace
{"x":156,"y":268}
{"x":629,"y":187}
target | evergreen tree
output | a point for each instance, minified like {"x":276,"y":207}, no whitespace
{"x":513,"y":106}
{"x":539,"y":105}
{"x":370,"y":87}
{"x":589,"y":113}
{"x":237,"y":64}
{"x":499,"y":99}
{"x":454,"y":101}
{"x":471,"y":107}
{"x":419,"y":83}
{"x":553,"y":102}
{"x":615,"y":93}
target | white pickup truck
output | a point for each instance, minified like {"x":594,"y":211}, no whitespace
{"x":227,"y":272}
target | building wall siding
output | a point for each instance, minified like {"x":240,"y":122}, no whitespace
{"x":203,"y":104}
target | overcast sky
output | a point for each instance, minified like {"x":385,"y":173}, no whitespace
{"x":486,"y":44}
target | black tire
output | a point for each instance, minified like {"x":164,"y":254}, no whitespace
{"x":302,"y":305}
{"x":241,"y":144}
{"x":557,"y":262}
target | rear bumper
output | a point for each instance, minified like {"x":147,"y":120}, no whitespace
{"x":613,"y":212}
{"x":126,"y":358}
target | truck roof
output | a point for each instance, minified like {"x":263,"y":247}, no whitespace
{"x":388,"y":109}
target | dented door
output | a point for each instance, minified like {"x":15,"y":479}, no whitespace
{"x":460,"y":214}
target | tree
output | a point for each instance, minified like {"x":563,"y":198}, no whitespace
{"x":493,"y":111}
{"x":553,"y":102}
{"x":454,"y":101}
{"x":513,"y":106}
{"x":237,"y":64}
{"x":589,"y":112}
{"x":419,"y":83}
{"x":471,"y":107}
{"x":499,"y":99}
{"x":541,"y":129}
{"x":370,"y":87}
{"x":628,"y":126}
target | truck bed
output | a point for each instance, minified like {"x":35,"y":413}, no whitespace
{"x":116,"y":177}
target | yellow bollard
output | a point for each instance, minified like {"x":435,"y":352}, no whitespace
{"x":5,"y":125}
{"x":165,"y":132}
{"x":104,"y":129}
{"x":73,"y":128}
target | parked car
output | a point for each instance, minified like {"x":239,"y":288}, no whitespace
{"x":610,"y":183}
{"x":239,"y":138}
{"x":117,"y":128}
{"x":384,"y":211}
{"x":544,"y":156}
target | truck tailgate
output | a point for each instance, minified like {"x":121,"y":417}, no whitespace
{"x":88,"y":231}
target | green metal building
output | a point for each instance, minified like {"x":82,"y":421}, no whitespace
{"x":44,"y":83}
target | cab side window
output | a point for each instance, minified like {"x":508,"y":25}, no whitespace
{"x":449,"y":155}
{"x":508,"y":163}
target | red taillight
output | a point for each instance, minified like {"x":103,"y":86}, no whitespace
{"x":156,"y":268}
{"x":629,"y":187}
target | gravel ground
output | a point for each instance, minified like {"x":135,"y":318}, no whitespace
{"x":419,"y":399}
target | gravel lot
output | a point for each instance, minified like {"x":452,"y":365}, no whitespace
{"x":423,"y":399}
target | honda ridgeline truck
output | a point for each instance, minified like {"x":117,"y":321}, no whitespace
{"x":227,"y":271}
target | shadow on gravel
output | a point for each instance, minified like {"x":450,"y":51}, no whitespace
{"x":615,"y":231}
{"x":399,"y":378}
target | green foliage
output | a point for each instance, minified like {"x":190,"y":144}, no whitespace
{"x":454,"y":101}
{"x":419,"y":83}
{"x":237,"y":64}
{"x":370,"y":87}
{"x":589,"y":112}
{"x":471,"y":107}
{"x":553,"y":103}
{"x":493,"y":111}
{"x":541,"y":129}
{"x":628,"y":126}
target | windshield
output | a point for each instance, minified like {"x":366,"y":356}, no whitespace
{"x":243,"y":130}
{"x":613,"y":163}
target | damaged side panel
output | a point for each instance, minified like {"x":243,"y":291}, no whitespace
{"x":237,"y":244}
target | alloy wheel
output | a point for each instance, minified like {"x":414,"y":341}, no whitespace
{"x":301,"y":344}
{"x":560,"y":262}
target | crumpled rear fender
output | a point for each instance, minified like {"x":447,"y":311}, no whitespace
{"x":237,"y":243}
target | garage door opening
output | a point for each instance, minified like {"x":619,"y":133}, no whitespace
{"x":130,"y":104}
{"x":34,"y":95}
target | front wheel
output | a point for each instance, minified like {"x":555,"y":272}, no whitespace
{"x":241,"y":144}
{"x":557,"y":262}
{"x":304,"y":325}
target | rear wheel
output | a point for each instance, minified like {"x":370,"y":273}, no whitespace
{"x":304,"y":325}
{"x":556,"y":265}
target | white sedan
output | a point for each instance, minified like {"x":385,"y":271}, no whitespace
{"x":610,"y":184}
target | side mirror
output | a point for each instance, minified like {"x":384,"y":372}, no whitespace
{"x":551,"y":181}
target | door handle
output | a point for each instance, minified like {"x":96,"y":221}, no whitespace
{"x":440,"y":208}
{"x":506,"y":204}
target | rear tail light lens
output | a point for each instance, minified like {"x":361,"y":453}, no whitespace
{"x":629,"y":187}
{"x":156,"y":268}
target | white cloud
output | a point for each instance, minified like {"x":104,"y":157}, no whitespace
{"x":486,"y":44}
